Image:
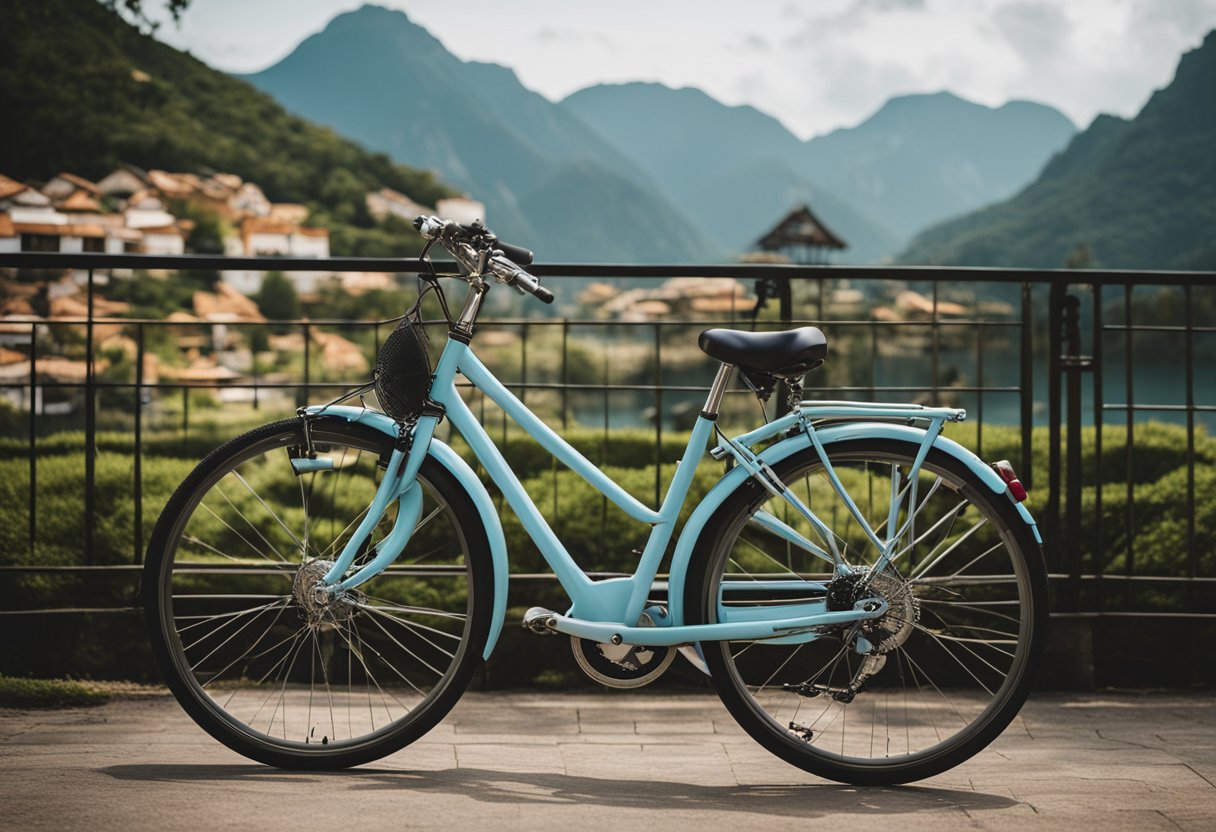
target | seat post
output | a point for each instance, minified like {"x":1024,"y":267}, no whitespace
{"x":717,"y":390}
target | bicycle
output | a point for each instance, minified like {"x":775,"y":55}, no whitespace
{"x":886,"y":636}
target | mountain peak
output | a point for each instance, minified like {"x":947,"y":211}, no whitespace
{"x":1140,"y":193}
{"x":372,"y":22}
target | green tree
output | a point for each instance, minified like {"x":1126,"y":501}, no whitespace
{"x":278,"y":299}
{"x":1081,"y":257}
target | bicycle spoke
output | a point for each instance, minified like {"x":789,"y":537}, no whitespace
{"x":938,"y":542}
{"x":271,"y":663}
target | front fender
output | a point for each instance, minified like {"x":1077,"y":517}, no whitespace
{"x":452,"y":461}
{"x":828,"y":435}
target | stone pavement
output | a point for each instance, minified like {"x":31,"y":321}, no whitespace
{"x":647,"y":761}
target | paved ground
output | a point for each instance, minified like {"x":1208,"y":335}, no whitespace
{"x":628,"y":761}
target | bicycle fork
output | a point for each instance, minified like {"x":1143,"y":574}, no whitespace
{"x":400,"y":484}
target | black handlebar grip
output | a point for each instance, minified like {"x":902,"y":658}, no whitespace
{"x":518,"y":255}
{"x":542,"y":294}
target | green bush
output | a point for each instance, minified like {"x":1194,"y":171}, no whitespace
{"x":48,"y":693}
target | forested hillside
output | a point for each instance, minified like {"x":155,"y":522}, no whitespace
{"x":82,"y":91}
{"x":1124,"y":194}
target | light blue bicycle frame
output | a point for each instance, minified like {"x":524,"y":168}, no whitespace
{"x":610,"y":610}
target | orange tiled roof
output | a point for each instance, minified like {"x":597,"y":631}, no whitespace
{"x":226,"y":303}
{"x":17,"y":306}
{"x":79,"y":182}
{"x":164,"y":229}
{"x":173,"y":183}
{"x":68,"y":230}
{"x":75,"y":307}
{"x":8,"y":187}
{"x":266,"y":225}
{"x":80,"y":200}
{"x":203,"y":369}
{"x":313,"y":232}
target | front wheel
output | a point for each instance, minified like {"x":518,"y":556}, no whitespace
{"x":915,"y":692}
{"x":255,"y":657}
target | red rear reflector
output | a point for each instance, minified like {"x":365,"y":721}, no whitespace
{"x":1016,"y":489}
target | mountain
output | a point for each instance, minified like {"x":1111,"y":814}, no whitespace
{"x":378,"y":77}
{"x":82,"y":91}
{"x":923,"y":158}
{"x":919,"y":159}
{"x":735,"y":169}
{"x":1138,"y":193}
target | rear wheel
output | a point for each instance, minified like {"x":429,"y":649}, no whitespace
{"x":921,"y":689}
{"x":269,"y":669}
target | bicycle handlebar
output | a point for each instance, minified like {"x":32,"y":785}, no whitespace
{"x":468,"y":242}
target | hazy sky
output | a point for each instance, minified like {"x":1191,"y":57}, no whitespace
{"x":816,"y":64}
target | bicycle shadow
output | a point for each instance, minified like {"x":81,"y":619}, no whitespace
{"x":511,"y":787}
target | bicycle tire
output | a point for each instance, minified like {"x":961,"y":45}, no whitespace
{"x":167,"y":645}
{"x":702,"y":596}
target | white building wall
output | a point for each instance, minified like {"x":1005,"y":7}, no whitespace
{"x":43,"y":215}
{"x":461,"y":210}
{"x":164,"y":244}
{"x":247,"y":283}
{"x":10,"y":244}
{"x":306,"y":246}
{"x":269,"y":244}
{"x":71,"y":245}
{"x":141,"y":218}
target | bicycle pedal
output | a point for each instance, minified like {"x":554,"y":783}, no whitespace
{"x":540,"y":621}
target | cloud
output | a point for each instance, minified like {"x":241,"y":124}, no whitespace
{"x":755,"y":42}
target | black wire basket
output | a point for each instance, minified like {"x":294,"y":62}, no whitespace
{"x":403,"y":371}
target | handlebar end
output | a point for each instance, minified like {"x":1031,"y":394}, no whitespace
{"x":542,"y":294}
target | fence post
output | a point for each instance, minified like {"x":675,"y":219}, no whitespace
{"x":139,"y":444}
{"x":1051,"y":512}
{"x":784,"y":291}
{"x":1026,"y":383}
{"x":1074,"y":364}
{"x":90,"y":428}
{"x":33,"y":450}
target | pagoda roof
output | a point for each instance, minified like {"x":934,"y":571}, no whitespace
{"x":799,"y":228}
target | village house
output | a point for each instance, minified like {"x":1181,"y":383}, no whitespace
{"x":386,"y":203}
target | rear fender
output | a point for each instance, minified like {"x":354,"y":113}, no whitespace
{"x":829,"y":435}
{"x":452,"y":461}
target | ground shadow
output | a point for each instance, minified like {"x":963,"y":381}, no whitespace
{"x":513,"y":787}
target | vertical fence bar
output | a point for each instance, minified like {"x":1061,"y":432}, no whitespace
{"x":1055,"y":320}
{"x":90,"y":429}
{"x":523,"y":361}
{"x":565,"y":373}
{"x":185,"y":415}
{"x":979,"y":391}
{"x":1072,"y":477}
{"x":604,"y":452}
{"x":33,"y":495}
{"x":1191,"y":548}
{"x":1099,"y":479}
{"x":934,"y":368}
{"x":302,"y":397}
{"x":873,"y":360}
{"x":1026,"y":385}
{"x":1129,"y":517}
{"x":658,"y":417}
{"x":255,"y":371}
{"x":138,"y":496}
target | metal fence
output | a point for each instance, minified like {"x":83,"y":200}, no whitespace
{"x":1064,"y":356}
